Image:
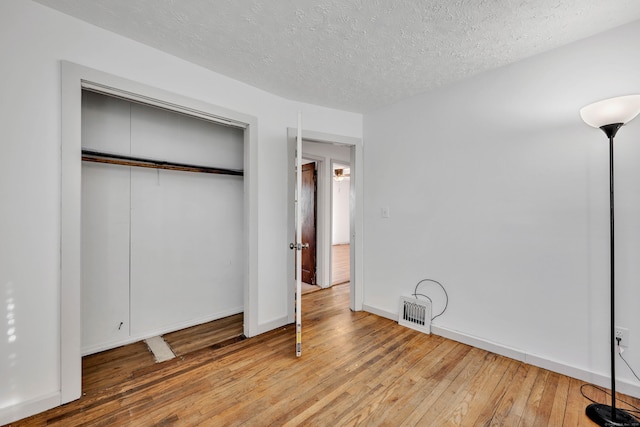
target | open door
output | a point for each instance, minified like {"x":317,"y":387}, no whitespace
{"x":297,"y":246}
{"x":294,"y":155}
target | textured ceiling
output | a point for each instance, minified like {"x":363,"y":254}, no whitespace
{"x":354,"y":55}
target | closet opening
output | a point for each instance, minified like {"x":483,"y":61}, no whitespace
{"x":76,"y":80}
{"x":162,"y":248}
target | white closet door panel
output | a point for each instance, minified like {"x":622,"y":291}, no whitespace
{"x":105,"y":256}
{"x":166,"y":135}
{"x":186,"y":248}
{"x":105,"y":123}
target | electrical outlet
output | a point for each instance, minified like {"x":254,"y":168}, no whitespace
{"x":623,"y":334}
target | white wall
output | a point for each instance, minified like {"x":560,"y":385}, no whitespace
{"x":340,"y":212}
{"x":500,"y":191}
{"x":33,"y":41}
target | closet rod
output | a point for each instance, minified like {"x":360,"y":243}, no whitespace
{"x":118,"y":159}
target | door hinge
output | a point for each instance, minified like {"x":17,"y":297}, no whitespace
{"x":298,"y":246}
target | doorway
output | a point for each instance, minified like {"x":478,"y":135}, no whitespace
{"x":309,"y":198}
{"x":324,"y":179}
{"x":149,"y":223}
{"x":340,"y":224}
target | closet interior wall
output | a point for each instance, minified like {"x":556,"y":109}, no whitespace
{"x":161,"y":249}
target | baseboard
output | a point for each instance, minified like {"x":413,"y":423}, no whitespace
{"x":622,"y":386}
{"x":493,"y":347}
{"x":273,"y":324}
{"x":379,"y":312}
{"x":21,"y":410}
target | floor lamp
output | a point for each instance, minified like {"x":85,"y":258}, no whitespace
{"x":610,"y":115}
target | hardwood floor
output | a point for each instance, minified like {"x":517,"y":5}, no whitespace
{"x":340,"y":268}
{"x":201,"y":336}
{"x":111,"y":367}
{"x":356,"y":369}
{"x":307,"y":288}
{"x":340,"y":265}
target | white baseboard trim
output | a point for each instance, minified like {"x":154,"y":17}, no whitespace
{"x":493,"y":347}
{"x":380,"y":312}
{"x":273,"y":324}
{"x":622,"y":386}
{"x":18,"y":411}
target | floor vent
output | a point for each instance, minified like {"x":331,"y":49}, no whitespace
{"x":415,"y":314}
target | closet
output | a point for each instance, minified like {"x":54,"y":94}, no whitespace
{"x":162,"y":221}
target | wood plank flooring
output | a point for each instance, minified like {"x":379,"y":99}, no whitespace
{"x":106,"y":369}
{"x":111,"y":367}
{"x":340,"y":268}
{"x":340,"y":264}
{"x":201,"y":336}
{"x":356,"y":369}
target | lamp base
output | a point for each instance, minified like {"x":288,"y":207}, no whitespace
{"x":602,"y":415}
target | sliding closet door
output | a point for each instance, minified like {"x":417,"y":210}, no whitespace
{"x":185,"y":253}
{"x":186,"y":228}
{"x":105,"y":226}
{"x":162,"y":249}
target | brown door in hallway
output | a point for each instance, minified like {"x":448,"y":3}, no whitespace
{"x":308,"y":206}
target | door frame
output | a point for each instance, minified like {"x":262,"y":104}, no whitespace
{"x":312,"y":247}
{"x":356,"y":210}
{"x":323,"y":260}
{"x":324,"y":230}
{"x":75,"y":78}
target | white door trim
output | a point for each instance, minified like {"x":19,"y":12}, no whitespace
{"x":74,"y":79}
{"x":323,"y":260}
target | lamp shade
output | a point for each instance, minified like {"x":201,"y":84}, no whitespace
{"x":621,"y":109}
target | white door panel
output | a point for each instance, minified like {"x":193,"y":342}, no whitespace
{"x":105,"y":255}
{"x":164,"y":135}
{"x":186,"y":251}
{"x":299,"y":244}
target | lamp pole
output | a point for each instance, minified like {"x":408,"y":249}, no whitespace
{"x":610,"y":131}
{"x":610,"y":115}
{"x":602,"y":414}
